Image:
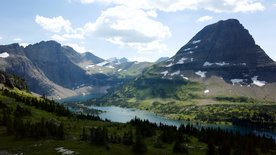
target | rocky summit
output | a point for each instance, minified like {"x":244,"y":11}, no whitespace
{"x":225,"y":49}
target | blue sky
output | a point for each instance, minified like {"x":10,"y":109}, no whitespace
{"x":142,"y":30}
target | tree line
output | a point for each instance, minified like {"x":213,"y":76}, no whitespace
{"x":220,"y":142}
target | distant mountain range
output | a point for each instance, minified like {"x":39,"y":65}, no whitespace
{"x":59,"y":71}
{"x":220,"y":60}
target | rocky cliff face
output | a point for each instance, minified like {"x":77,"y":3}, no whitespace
{"x":49,"y":68}
{"x":51,"y":59}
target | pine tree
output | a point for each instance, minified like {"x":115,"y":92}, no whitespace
{"x":60,"y":134}
{"x":83,"y":135}
{"x":139,"y":146}
{"x":211,"y":149}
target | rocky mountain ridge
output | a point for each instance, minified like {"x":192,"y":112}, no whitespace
{"x":59,"y":71}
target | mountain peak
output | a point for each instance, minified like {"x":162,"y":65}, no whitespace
{"x":224,"y":41}
{"x":225,"y":49}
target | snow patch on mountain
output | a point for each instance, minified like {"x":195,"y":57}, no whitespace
{"x":182,"y":60}
{"x":207,"y":64}
{"x":175,"y":73}
{"x":164,"y":73}
{"x":234,"y":81}
{"x":187,"y":49}
{"x":196,"y":41}
{"x":216,"y":63}
{"x":184,"y":77}
{"x":257,"y":82}
{"x":221,"y":63}
{"x":170,"y":65}
{"x":4,"y":55}
{"x":201,"y":73}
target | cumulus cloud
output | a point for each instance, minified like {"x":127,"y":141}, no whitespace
{"x":178,"y":5}
{"x":55,"y":24}
{"x":235,"y":6}
{"x":77,"y":47}
{"x":61,"y":27}
{"x":204,"y":18}
{"x":136,"y":28}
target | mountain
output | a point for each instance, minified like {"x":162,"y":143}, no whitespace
{"x":220,"y":60}
{"x":162,"y":59}
{"x":225,"y":49}
{"x":59,"y":71}
{"x":51,"y":59}
{"x":51,"y":69}
{"x":81,"y":59}
{"x":122,"y":68}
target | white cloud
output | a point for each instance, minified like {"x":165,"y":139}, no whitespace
{"x":61,"y":27}
{"x":204,"y":18}
{"x":136,"y":28}
{"x":1,"y":38}
{"x":17,"y":39}
{"x":55,"y":24}
{"x":73,"y":36}
{"x":93,"y":1}
{"x":178,"y":5}
{"x":77,"y":47}
{"x":274,"y":5}
{"x":235,"y":6}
